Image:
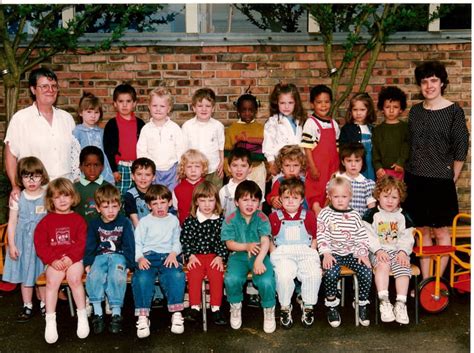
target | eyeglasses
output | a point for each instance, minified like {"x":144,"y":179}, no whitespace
{"x":45,"y":87}
{"x":32,"y":177}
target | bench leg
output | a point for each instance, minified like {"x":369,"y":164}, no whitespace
{"x":376,"y":307}
{"x":70,"y":301}
{"x":415,"y":279}
{"x":356,"y":303}
{"x":203,"y":300}
{"x":343,"y":287}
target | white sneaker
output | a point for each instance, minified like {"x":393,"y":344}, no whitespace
{"x":82,"y":324}
{"x":386,"y":311}
{"x":177,"y":323}
{"x":143,"y":327}
{"x":51,"y":330}
{"x":269,"y":323}
{"x":236,"y":315}
{"x":401,"y":315}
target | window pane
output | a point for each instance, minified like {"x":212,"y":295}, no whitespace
{"x":458,"y":16}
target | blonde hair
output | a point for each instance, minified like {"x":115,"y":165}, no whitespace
{"x":107,"y":193}
{"x":30,"y":166}
{"x":292,"y":152}
{"x":205,"y":189}
{"x":60,"y":186}
{"x":162,"y":92}
{"x":338,"y":181}
{"x":387,"y":183}
{"x":192,"y":155}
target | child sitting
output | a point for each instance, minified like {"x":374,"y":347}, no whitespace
{"x":204,"y":251}
{"x":391,"y":241}
{"x":343,"y":240}
{"x":294,"y":234}
{"x":239,"y":166}
{"x":110,"y":253}
{"x":247,"y":235}
{"x":390,"y":139}
{"x":157,"y":248}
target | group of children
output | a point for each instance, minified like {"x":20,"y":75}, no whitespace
{"x":168,"y":181}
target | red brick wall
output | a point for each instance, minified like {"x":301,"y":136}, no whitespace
{"x":229,"y":70}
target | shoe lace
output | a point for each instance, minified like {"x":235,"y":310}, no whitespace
{"x":142,"y":323}
{"x":178,"y":319}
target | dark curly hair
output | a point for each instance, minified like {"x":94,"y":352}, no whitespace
{"x":394,"y":94}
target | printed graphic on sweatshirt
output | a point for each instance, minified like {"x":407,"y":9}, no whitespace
{"x":110,"y":240}
{"x":387,"y":232}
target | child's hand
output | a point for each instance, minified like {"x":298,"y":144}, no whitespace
{"x":328,"y":261}
{"x":380,"y":173}
{"x":364,"y":260}
{"x":316,"y":208}
{"x":143,"y":263}
{"x":382,"y":256}
{"x":171,"y":260}
{"x":87,"y":269}
{"x":193,"y":262}
{"x":314,"y":173}
{"x":272,"y":168}
{"x":220,"y":169}
{"x":253,"y":248}
{"x":403,"y":259}
{"x":13,"y":251}
{"x":258,"y":267}
{"x":58,"y":265}
{"x":218,"y":263}
{"x":117,"y":177}
{"x":397,"y":168}
{"x":276,"y":203}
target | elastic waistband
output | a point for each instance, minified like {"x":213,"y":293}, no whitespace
{"x":125,"y":163}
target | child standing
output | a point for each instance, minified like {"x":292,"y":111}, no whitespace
{"x":391,"y":239}
{"x":343,"y":240}
{"x":294,"y":234}
{"x":204,"y":251}
{"x":206,"y":134}
{"x":192,"y":169}
{"x":292,"y":162}
{"x":247,"y":133}
{"x":284,"y":127}
{"x":352,"y":163}
{"x":360,"y":117}
{"x":91,"y":162}
{"x":239,"y":166}
{"x":22,"y":265}
{"x":60,"y":239}
{"x":247,"y":235}
{"x":319,"y":140}
{"x":390,"y":138}
{"x":157,"y":247}
{"x":109,"y":254}
{"x":161,"y":139}
{"x":88,"y":133}
{"x":121,"y":135}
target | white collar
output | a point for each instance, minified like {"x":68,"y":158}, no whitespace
{"x":201,"y":218}
{"x":360,"y":178}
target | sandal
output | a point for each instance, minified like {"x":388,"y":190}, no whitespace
{"x":25,"y":315}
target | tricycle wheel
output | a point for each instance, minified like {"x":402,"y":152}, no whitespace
{"x":428,"y":301}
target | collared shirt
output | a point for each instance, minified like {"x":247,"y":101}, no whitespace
{"x":86,"y":182}
{"x":29,"y":134}
{"x":207,"y":137}
{"x":236,"y":228}
{"x":312,"y":134}
{"x":164,"y":145}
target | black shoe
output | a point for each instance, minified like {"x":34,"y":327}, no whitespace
{"x":158,"y":303}
{"x":254,"y":301}
{"x":192,"y":315}
{"x":334,"y":318}
{"x":286,"y":321}
{"x":98,"y":324}
{"x":43,"y":311}
{"x":218,"y":318}
{"x":364,"y":315}
{"x":307,"y":317}
{"x":116,"y":324}
{"x":25,"y":315}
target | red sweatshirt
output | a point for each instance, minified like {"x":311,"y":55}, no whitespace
{"x":58,"y":235}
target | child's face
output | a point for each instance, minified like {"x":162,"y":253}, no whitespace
{"x":431,"y":87}
{"x":159,"y":108}
{"x":359,"y":112}
{"x":389,"y":200}
{"x":90,"y":117}
{"x":290,"y":168}
{"x":159,"y":207}
{"x":286,"y":104}
{"x":247,"y":205}
{"x":353,"y":165}
{"x":31,"y":182}
{"x":108,"y":210}
{"x":143,"y":178}
{"x":203,"y":109}
{"x":340,"y":197}
{"x":240,"y":169}
{"x":291,"y":202}
{"x":206,"y":205}
{"x":91,"y":167}
{"x":247,"y":111}
{"x":391,"y":110}
{"x":125,"y":105}
{"x":62,"y":203}
{"x":193,"y":170}
{"x":322,"y":105}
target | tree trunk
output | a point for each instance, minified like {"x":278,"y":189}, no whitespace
{"x":12,"y":90}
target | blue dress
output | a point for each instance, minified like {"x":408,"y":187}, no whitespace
{"x":28,"y":266}
{"x":94,"y":136}
{"x":366,"y":140}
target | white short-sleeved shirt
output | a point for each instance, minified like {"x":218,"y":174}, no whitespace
{"x":207,"y":137}
{"x":164,"y":145}
{"x":29,"y":134}
{"x":277,"y":133}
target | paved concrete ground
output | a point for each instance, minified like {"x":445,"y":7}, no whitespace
{"x":447,"y":332}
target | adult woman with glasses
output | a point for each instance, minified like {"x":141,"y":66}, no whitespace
{"x":40,"y":130}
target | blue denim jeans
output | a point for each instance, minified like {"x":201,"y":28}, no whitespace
{"x":108,"y":275}
{"x":172,"y":282}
